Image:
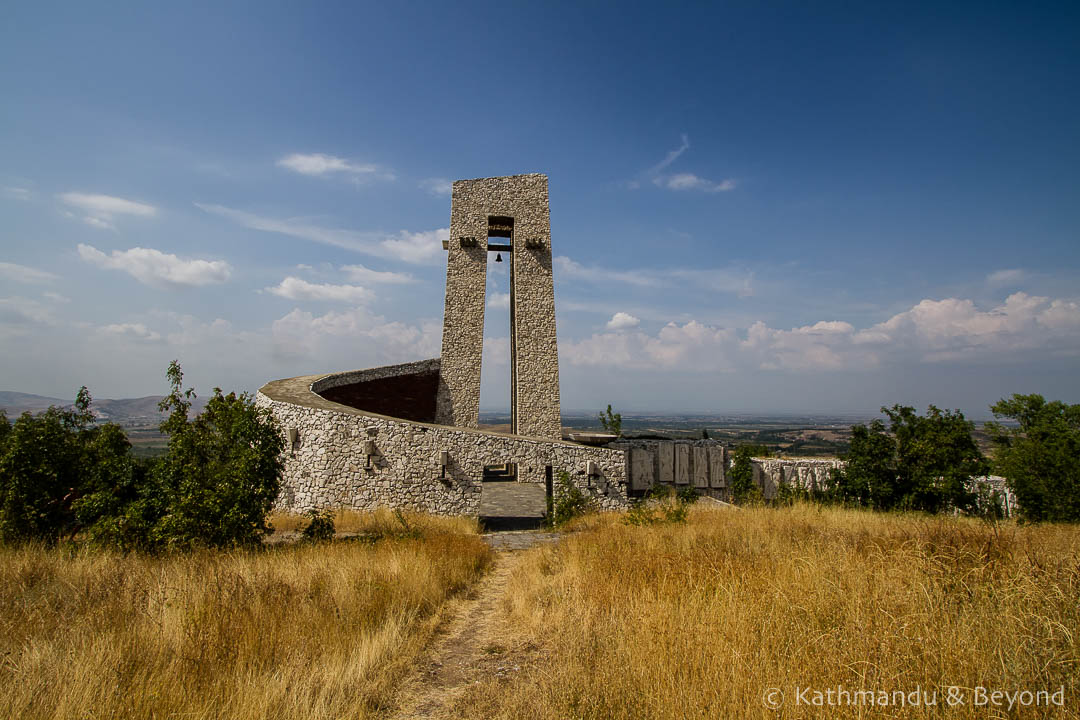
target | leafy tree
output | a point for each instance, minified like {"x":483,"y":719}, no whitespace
{"x":48,"y":461}
{"x":611,"y":422}
{"x":221,"y":473}
{"x":1041,"y":458}
{"x":922,"y":463}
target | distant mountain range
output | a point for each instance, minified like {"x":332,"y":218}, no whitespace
{"x":129,"y":412}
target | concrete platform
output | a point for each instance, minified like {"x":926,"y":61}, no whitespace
{"x":510,"y":505}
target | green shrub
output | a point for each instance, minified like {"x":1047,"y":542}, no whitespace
{"x":320,"y":527}
{"x":569,"y":503}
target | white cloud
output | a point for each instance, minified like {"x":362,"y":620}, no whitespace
{"x":1003,"y":278}
{"x":318,"y":164}
{"x":101,"y":209}
{"x":419,"y":247}
{"x":622,"y":321}
{"x":361,"y":274}
{"x":496,"y":352}
{"x":737,"y":282}
{"x":24,"y":274}
{"x":437,"y":186}
{"x":138,"y":330}
{"x":56,"y":297}
{"x":689,"y":181}
{"x":335,"y":337}
{"x":498,"y":300}
{"x":158,"y":269}
{"x":672,"y":156}
{"x":931,"y":331}
{"x":295,"y":288}
{"x":679,"y":181}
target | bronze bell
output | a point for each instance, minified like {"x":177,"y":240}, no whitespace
{"x":498,"y":257}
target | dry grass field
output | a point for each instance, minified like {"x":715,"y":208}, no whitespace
{"x":287,"y":632}
{"x":704,"y":620}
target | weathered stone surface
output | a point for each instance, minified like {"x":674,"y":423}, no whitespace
{"x":682,"y":464}
{"x":717,"y":467}
{"x":699,"y":466}
{"x":642,"y":469}
{"x":327,"y":467}
{"x":534,"y":395}
{"x":665,"y":463}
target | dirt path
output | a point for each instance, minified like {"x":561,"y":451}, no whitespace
{"x":470,"y":646}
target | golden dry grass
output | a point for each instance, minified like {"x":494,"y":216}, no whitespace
{"x":352,"y":521}
{"x":702,"y":619}
{"x":290,"y":632}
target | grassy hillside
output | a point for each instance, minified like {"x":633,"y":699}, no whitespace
{"x":290,"y":632}
{"x":705,"y":619}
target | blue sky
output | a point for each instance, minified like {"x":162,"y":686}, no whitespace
{"x":755,"y":207}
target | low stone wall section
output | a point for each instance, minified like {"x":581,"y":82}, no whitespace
{"x":804,"y":473}
{"x":327,"y":465}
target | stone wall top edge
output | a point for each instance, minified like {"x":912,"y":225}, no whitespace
{"x":348,"y":377}
{"x":297,"y":392}
{"x":502,"y":177}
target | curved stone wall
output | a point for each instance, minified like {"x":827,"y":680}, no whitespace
{"x":327,"y":464}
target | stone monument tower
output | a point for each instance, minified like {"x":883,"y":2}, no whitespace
{"x":509,"y":215}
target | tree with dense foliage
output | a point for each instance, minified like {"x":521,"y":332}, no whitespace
{"x":1040,"y":459}
{"x":48,"y":461}
{"x":922,"y":463}
{"x":221,"y":473}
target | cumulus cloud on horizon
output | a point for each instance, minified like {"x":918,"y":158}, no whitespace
{"x":931,"y":331}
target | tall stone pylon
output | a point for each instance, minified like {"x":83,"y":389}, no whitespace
{"x":509,"y":215}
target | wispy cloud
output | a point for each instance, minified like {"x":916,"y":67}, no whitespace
{"x":295,"y":288}
{"x":361,"y":274}
{"x":1003,"y":278}
{"x":137,"y":330}
{"x":158,"y":269}
{"x":413,"y":247}
{"x":320,"y":164}
{"x":689,"y":181}
{"x":437,"y":186}
{"x":671,"y":157}
{"x":679,"y":181}
{"x":16,"y":193}
{"x":100,"y":210}
{"x":725,"y":280}
{"x":24,"y":274}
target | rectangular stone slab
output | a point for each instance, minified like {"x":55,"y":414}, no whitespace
{"x":700,"y":467}
{"x":642,"y":469}
{"x":717,"y":478}
{"x":682,"y":464}
{"x":665,"y":462}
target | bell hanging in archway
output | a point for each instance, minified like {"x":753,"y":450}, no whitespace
{"x":498,"y":257}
